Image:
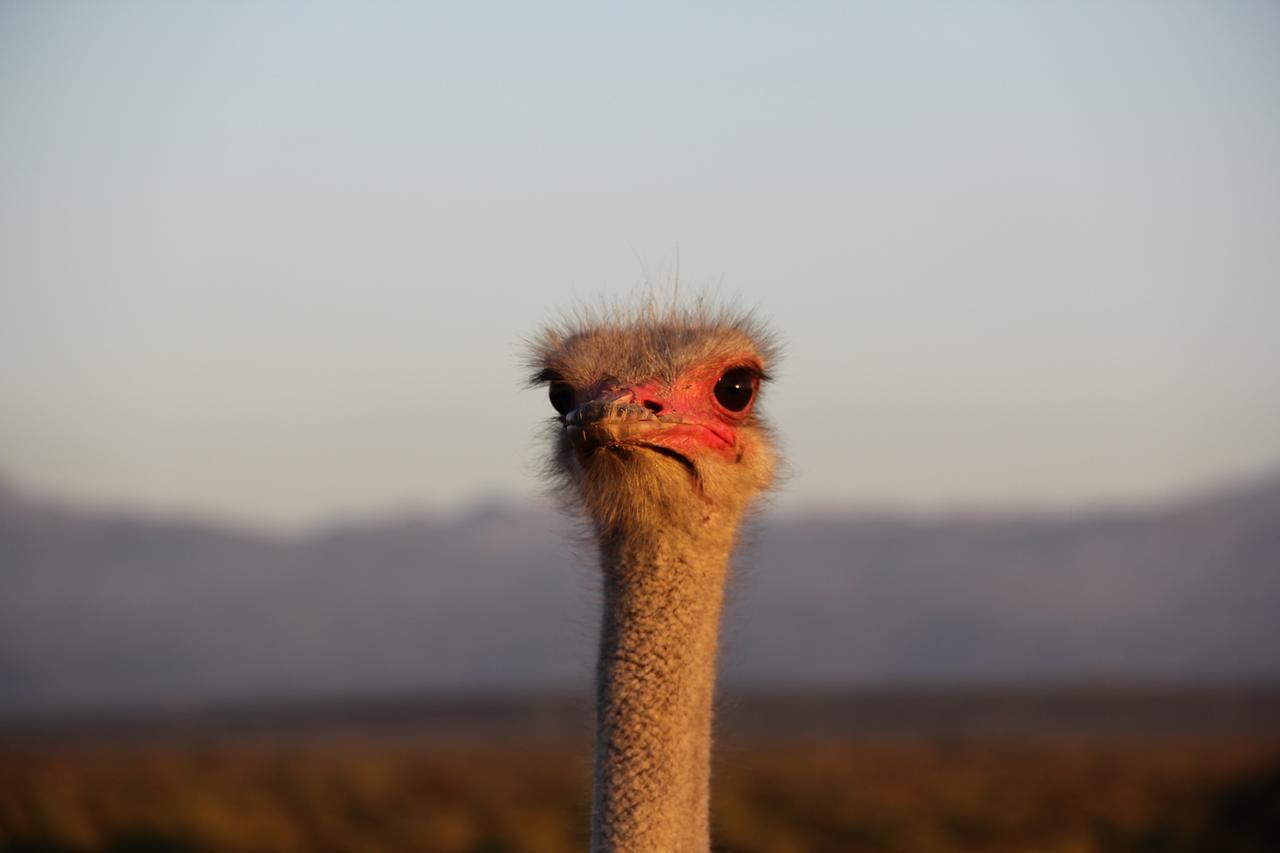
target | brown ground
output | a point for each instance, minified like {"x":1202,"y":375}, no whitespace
{"x":337,"y":789}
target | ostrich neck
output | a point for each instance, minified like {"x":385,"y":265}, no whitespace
{"x":662,"y":596}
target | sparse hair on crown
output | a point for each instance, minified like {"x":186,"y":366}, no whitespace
{"x":653,"y":338}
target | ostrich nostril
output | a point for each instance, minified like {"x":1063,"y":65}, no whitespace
{"x":653,"y":406}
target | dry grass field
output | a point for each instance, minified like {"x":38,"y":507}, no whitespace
{"x":273,"y":787}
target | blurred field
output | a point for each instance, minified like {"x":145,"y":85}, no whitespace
{"x":1163,"y":772}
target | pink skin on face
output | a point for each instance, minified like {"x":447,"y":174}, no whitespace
{"x":704,"y":425}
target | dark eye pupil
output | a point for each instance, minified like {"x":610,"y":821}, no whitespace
{"x":735,"y":389}
{"x":561,"y":395}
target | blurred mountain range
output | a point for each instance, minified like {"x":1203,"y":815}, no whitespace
{"x":111,"y":610}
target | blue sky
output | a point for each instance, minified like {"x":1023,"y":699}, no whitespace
{"x":274,"y":261}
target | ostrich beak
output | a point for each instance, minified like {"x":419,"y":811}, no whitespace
{"x":619,"y":423}
{"x":611,"y":423}
{"x":623,"y":425}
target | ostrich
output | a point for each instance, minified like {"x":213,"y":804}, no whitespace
{"x":658,"y":438}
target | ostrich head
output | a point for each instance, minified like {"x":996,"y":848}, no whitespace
{"x":657,"y":420}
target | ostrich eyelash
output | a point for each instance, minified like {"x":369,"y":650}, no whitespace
{"x":756,"y":370}
{"x":546,"y":375}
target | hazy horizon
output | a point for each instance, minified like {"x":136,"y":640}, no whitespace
{"x":119,"y":610}
{"x":30,"y":496}
{"x":273,"y":263}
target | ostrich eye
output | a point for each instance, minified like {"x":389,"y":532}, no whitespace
{"x":736,"y":388}
{"x":562,"y":396}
